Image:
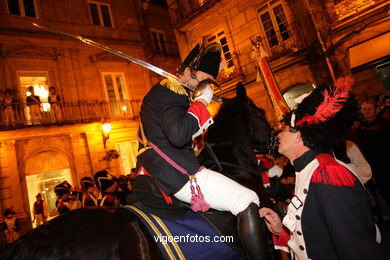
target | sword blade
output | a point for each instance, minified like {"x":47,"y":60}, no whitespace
{"x":116,"y":52}
{"x":127,"y":57}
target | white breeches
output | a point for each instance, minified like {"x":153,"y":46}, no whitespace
{"x":220,"y":192}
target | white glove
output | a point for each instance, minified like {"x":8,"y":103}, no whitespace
{"x":207,"y":95}
{"x":276,"y":170}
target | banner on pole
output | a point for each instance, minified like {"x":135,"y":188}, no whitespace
{"x":277,"y":101}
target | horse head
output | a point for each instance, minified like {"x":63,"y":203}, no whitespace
{"x":240,"y":128}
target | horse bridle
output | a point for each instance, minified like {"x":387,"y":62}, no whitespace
{"x":219,"y":163}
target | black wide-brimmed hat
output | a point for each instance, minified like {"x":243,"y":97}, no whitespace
{"x":324,"y":115}
{"x":206,"y":59}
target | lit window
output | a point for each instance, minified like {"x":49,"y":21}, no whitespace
{"x":226,"y":51}
{"x":159,"y":42}
{"x":22,"y":7}
{"x":274,"y":22}
{"x":100,"y":14}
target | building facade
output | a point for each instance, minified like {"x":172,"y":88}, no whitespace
{"x":307,"y":42}
{"x":45,"y":139}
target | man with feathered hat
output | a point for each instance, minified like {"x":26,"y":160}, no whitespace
{"x":329,"y":216}
{"x":171,"y":118}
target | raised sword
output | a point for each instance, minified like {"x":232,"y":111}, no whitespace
{"x":127,"y":57}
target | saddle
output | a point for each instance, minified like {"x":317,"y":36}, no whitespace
{"x":147,"y":197}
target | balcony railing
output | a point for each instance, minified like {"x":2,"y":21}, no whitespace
{"x":19,"y":115}
{"x":283,"y":43}
{"x":182,"y":11}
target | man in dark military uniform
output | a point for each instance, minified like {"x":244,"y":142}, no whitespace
{"x":170,"y":121}
{"x":90,"y":193}
{"x":63,"y":197}
{"x":107,"y":185}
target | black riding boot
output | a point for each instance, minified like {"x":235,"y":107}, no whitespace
{"x":253,"y":233}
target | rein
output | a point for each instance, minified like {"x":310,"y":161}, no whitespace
{"x":219,"y":163}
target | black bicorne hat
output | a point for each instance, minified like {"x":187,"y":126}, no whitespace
{"x":104,"y":180}
{"x":191,"y":59}
{"x":86,"y":182}
{"x":60,"y":190}
{"x":324,"y":115}
{"x":206,"y":59}
{"x":7,"y":212}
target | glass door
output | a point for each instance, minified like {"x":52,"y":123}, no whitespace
{"x":117,"y":94}
{"x":39,"y":81}
{"x":44,"y":183}
{"x":128,"y":156}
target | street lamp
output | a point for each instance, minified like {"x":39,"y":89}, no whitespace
{"x":106,"y":133}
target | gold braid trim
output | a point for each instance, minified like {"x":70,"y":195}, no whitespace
{"x":174,"y":85}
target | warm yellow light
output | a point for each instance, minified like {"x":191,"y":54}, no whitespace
{"x":106,"y":128}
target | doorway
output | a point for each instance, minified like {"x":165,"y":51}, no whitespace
{"x":44,"y":171}
{"x":44,"y":183}
{"x":128,"y":156}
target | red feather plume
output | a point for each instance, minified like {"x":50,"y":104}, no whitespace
{"x":333,"y":102}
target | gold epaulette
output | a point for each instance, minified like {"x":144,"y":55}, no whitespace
{"x":174,"y":85}
{"x":143,"y":150}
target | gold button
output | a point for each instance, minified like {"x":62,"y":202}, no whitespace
{"x":302,"y":248}
{"x":305,"y":191}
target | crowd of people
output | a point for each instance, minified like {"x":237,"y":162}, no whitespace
{"x":10,"y":109}
{"x":104,"y":189}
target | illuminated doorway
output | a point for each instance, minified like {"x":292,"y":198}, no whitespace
{"x":44,"y":171}
{"x":40,"y":82}
{"x":128,"y":156}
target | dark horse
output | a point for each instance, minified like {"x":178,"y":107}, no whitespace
{"x":115,"y":233}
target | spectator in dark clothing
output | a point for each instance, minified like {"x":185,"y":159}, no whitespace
{"x":40,"y":210}
{"x":34,"y":103}
{"x":375,"y":141}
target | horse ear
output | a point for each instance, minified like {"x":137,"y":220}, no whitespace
{"x":240,"y":90}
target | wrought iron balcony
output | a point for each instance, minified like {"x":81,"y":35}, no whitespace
{"x":283,"y":43}
{"x":20,"y":115}
{"x":182,"y":11}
